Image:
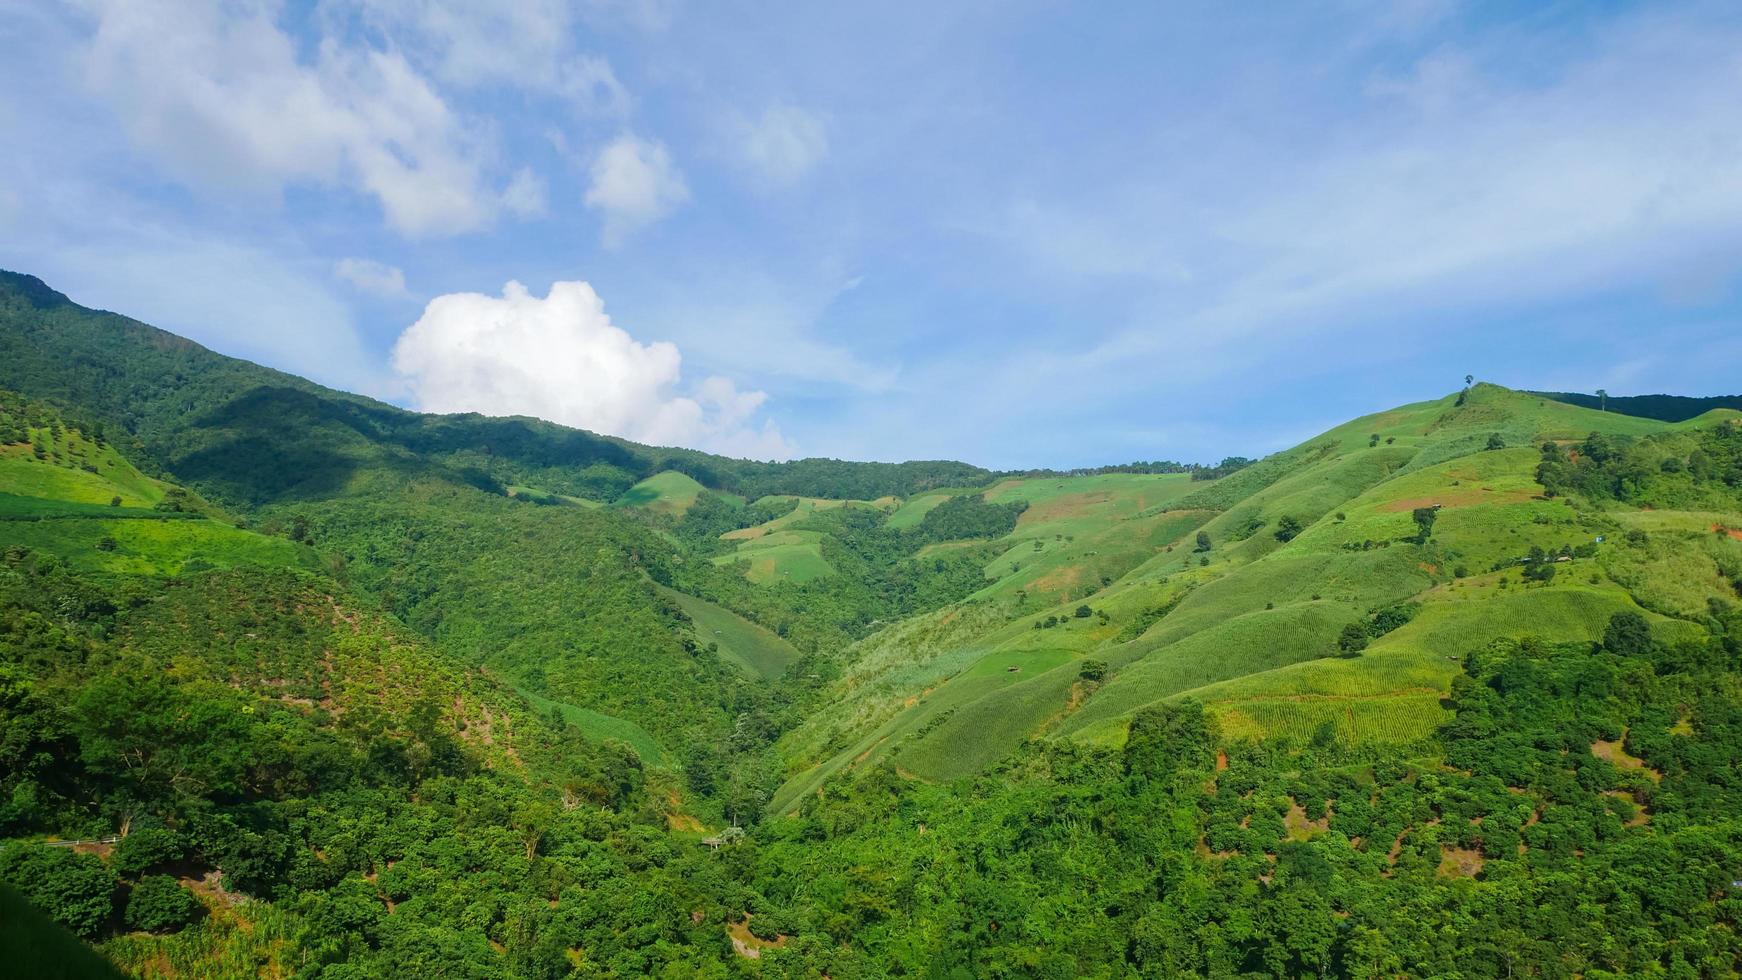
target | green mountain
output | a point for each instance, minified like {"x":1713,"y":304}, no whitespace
{"x":310,"y":685}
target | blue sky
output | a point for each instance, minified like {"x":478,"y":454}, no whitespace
{"x":1019,"y":234}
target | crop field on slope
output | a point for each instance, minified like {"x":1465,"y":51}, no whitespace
{"x":913,"y":510}
{"x":537,"y":495}
{"x":784,"y":556}
{"x":148,"y":547}
{"x":933,"y":711}
{"x":602,"y":726}
{"x":752,"y":647}
{"x":669,"y":492}
{"x":23,"y":474}
{"x":15,"y":507}
{"x":802,"y":507}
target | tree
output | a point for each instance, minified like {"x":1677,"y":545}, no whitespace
{"x":1469,"y":379}
{"x":1424,"y":521}
{"x":1203,"y":541}
{"x":1169,"y":737}
{"x":75,"y":889}
{"x":1628,"y":635}
{"x":1603,"y":400}
{"x":1092,"y":670}
{"x":146,"y":848}
{"x":1352,"y":640}
{"x":115,"y":501}
{"x":1496,"y":442}
{"x":1287,"y":528}
{"x":1084,"y":612}
{"x":160,"y":904}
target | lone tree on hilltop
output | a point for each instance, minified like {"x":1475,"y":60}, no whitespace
{"x":1602,"y":400}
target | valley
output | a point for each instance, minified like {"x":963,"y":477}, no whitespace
{"x":379,"y":692}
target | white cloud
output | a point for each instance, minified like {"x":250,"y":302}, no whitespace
{"x":371,"y":276}
{"x":524,"y":45}
{"x":525,"y":196}
{"x":561,"y":358}
{"x":635,"y":184}
{"x":783,"y":144}
{"x":221,"y":96}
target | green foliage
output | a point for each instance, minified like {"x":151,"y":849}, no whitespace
{"x":970,"y":516}
{"x":146,"y":848}
{"x":1668,"y":408}
{"x":1169,"y":737}
{"x":158,"y":903}
{"x":1424,"y":518}
{"x":443,"y":713}
{"x":1627,"y":635}
{"x":73,"y":889}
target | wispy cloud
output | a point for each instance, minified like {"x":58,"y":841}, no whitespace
{"x":634,"y":183}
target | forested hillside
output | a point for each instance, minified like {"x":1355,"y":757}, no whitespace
{"x":296,"y":683}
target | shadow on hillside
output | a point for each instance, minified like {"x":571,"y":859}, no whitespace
{"x":274,"y":444}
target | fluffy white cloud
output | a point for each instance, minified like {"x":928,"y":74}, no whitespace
{"x":371,"y":276}
{"x":783,"y":144}
{"x":634,"y":183}
{"x":221,"y":96}
{"x":561,"y":358}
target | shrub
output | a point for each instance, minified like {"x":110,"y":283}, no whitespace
{"x":146,"y":848}
{"x":74,"y":889}
{"x":1092,"y":670}
{"x":1084,"y":612}
{"x":160,"y":904}
{"x":1287,"y":528}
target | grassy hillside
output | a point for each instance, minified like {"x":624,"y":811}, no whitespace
{"x":1249,"y":618}
{"x":371,"y":693}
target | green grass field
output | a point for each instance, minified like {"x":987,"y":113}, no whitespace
{"x":782,"y":556}
{"x":147,"y":547}
{"x":538,"y":496}
{"x":669,"y":492}
{"x":1251,"y":624}
{"x":757,"y":650}
{"x":603,"y":726}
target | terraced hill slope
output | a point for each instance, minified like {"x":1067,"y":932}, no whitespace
{"x":1072,"y":636}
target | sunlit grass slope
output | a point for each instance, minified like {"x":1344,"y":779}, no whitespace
{"x":1105,"y":599}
